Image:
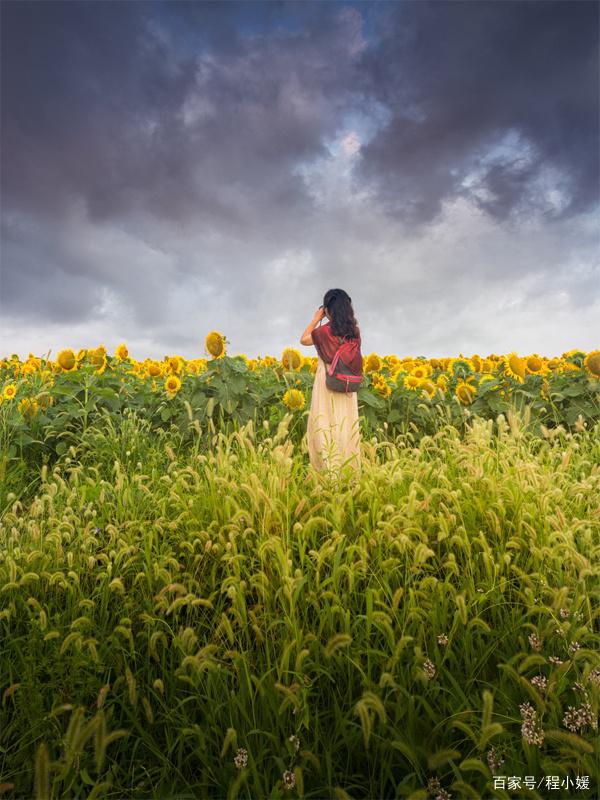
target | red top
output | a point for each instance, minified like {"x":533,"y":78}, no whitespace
{"x":327,"y":345}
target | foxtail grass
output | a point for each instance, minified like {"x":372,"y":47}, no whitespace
{"x":224,"y":622}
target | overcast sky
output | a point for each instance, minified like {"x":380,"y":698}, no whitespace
{"x":172,"y":168}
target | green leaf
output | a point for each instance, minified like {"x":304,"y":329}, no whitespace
{"x":365,"y":396}
{"x":573,"y":390}
{"x":239,"y":365}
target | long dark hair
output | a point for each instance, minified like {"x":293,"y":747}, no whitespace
{"x":338,"y":305}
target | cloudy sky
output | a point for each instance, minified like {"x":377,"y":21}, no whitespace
{"x":172,"y":168}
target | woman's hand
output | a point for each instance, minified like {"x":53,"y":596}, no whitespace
{"x":306,"y":337}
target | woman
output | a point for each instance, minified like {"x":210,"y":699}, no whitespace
{"x":333,"y":432}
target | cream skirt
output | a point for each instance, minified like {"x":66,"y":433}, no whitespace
{"x":332,"y":431}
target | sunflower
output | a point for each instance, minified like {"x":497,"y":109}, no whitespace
{"x":373,"y":363}
{"x":380,"y":385}
{"x":173,"y":384}
{"x":514,"y":367}
{"x":575,"y":356}
{"x":294,"y":399}
{"x":477,"y":362}
{"x":28,"y":368}
{"x":174,"y":364}
{"x":28,"y":407}
{"x":553,"y":364}
{"x":121,"y":352}
{"x":411,"y":382}
{"x":428,"y":386}
{"x":485,"y":379}
{"x":465,"y":393}
{"x":102,"y":364}
{"x":291,"y":359}
{"x":66,"y":360}
{"x":215,"y":344}
{"x":461,"y":367}
{"x":569,"y":366}
{"x":592,"y":363}
{"x":442,"y":382}
{"x":10,"y":391}
{"x":534,"y":364}
{"x":96,"y":357}
{"x":153,"y":369}
{"x":34,"y":360}
{"x":421,"y":371}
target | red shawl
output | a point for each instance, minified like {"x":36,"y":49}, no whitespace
{"x":327,"y":345}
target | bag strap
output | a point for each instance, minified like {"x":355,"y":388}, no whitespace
{"x":336,"y":358}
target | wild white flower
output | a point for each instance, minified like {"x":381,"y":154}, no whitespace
{"x":577,"y":718}
{"x":289,"y":779}
{"x":429,"y":668}
{"x":434,"y":787}
{"x":241,"y":758}
{"x":541,"y":682}
{"x":530,"y":729}
{"x":495,"y":761}
{"x":594,"y":676}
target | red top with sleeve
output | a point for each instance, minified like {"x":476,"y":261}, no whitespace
{"x":327,"y":345}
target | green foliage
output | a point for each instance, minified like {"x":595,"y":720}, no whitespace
{"x":169,"y":596}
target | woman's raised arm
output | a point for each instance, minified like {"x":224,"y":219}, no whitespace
{"x":306,"y":338}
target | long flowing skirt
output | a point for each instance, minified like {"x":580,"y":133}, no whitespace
{"x":332,"y":431}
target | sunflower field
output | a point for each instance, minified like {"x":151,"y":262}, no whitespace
{"x":188,"y":611}
{"x":45,"y":404}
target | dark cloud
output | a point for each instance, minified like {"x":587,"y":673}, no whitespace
{"x":456,"y":75}
{"x":100,"y":102}
{"x":166,"y":167}
{"x":103,"y":107}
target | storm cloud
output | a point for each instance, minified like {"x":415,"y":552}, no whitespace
{"x":169,"y":168}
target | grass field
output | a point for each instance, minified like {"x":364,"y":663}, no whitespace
{"x":219,"y":622}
